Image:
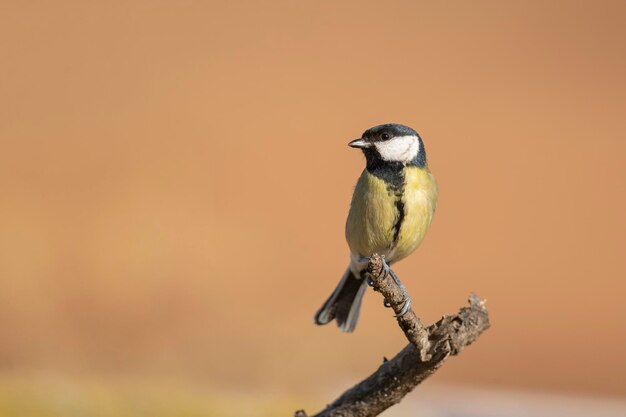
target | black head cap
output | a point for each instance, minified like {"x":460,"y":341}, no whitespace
{"x":387,"y":131}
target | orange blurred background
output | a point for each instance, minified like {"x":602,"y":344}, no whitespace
{"x":174,"y":180}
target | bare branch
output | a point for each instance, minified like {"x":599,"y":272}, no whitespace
{"x":426,"y":352}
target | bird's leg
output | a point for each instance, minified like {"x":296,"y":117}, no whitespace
{"x":364,"y":273}
{"x":405,"y":294}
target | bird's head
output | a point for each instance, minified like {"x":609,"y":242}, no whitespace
{"x":391,"y":143}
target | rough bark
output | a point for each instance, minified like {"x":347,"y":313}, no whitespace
{"x":427,"y":350}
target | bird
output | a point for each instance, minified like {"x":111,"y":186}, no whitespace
{"x":391,"y":209}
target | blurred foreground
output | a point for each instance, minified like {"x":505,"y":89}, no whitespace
{"x":52,"y":396}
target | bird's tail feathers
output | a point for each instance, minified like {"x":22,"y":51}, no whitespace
{"x":344,"y":303}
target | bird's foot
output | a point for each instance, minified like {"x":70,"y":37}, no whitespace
{"x":405,"y":307}
{"x":406,"y":303}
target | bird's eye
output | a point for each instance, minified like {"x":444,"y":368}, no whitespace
{"x":384,"y":136}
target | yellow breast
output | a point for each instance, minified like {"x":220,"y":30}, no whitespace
{"x":377,"y":223}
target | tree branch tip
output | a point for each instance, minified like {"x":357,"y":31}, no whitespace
{"x":375,"y":264}
{"x":477,"y":302}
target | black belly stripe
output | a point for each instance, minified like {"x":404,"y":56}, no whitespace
{"x":398,"y":225}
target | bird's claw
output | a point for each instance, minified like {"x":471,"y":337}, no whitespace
{"x":406,"y":303}
{"x":405,"y":308}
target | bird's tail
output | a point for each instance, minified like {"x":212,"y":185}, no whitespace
{"x":344,"y":303}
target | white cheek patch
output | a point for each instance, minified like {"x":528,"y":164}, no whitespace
{"x":401,"y":148}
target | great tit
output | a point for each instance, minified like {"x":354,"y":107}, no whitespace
{"x":392,"y":207}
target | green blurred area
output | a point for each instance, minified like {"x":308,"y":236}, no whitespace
{"x":62,"y":397}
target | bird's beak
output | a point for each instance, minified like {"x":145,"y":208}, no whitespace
{"x":359,"y":143}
